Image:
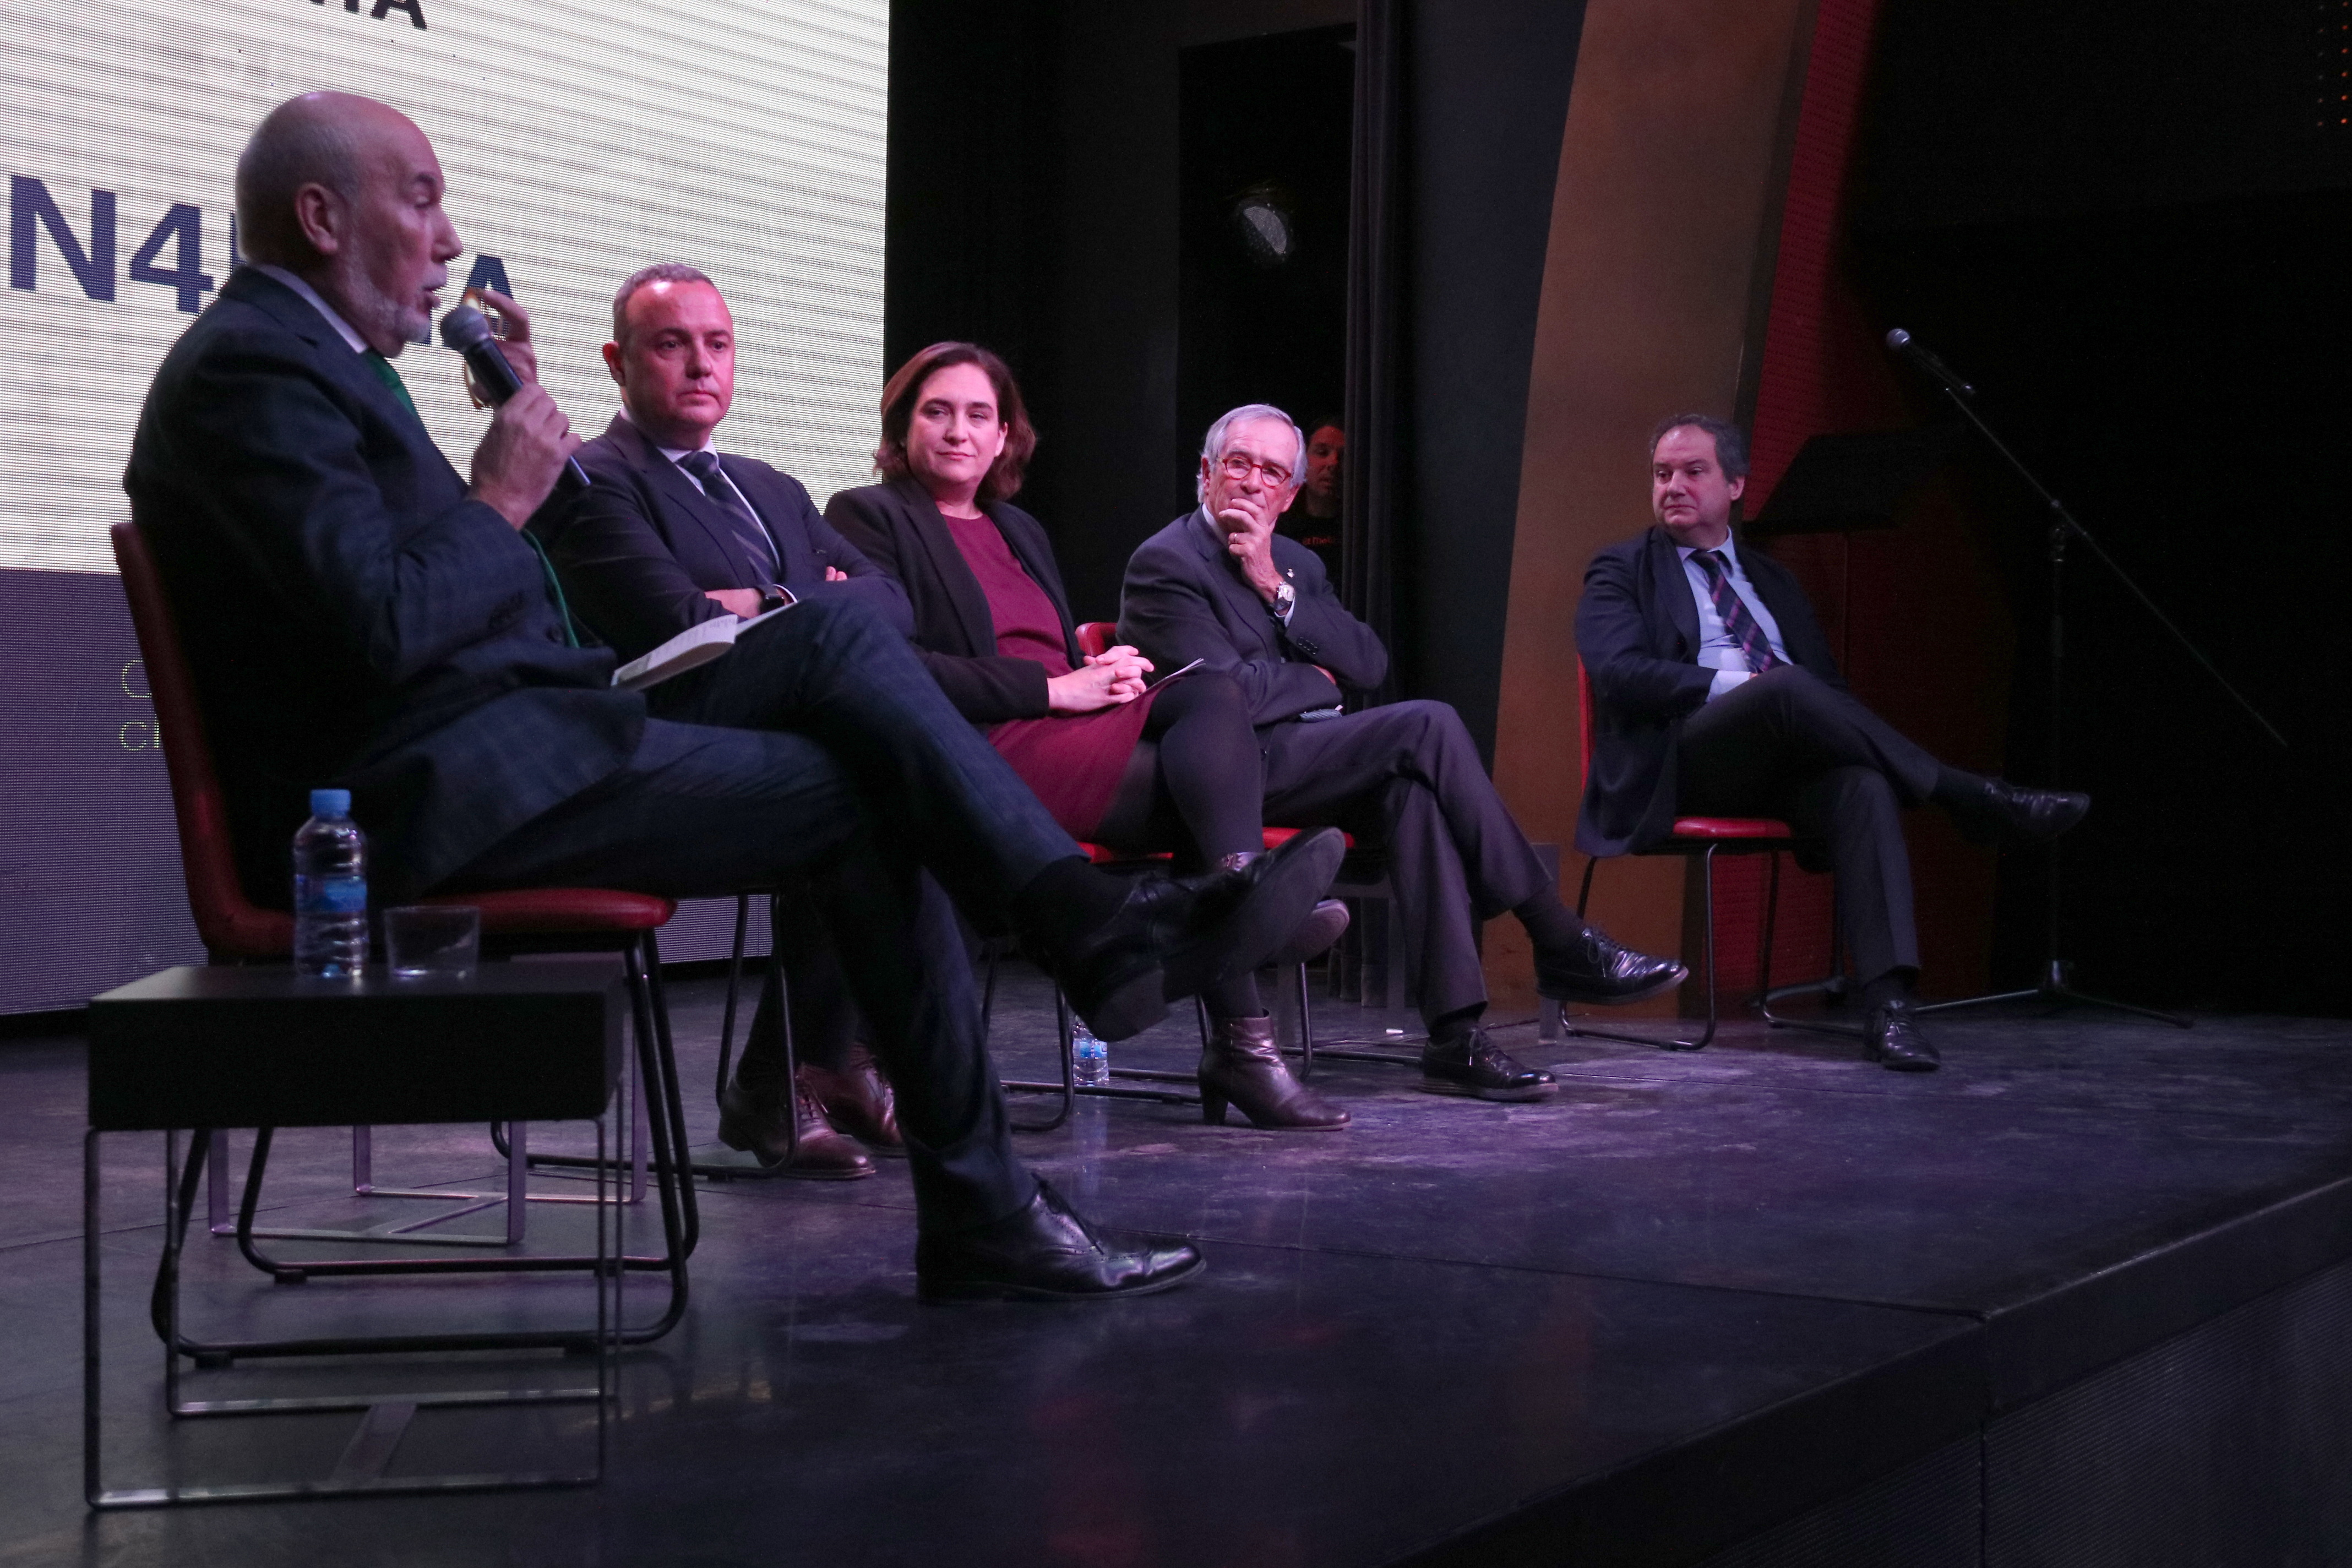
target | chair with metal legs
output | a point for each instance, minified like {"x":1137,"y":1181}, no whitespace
{"x":1703,"y":838}
{"x":235,"y":931}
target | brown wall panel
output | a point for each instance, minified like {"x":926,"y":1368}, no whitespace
{"x":1668,"y":198}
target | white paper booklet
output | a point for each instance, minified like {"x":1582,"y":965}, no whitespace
{"x":691,"y":649}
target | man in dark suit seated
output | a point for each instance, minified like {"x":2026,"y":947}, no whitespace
{"x":1219,"y":585}
{"x":357,"y":615}
{"x":672,"y":534}
{"x":1716,"y":695}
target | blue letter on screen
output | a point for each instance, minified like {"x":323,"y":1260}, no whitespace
{"x":30,"y":199}
{"x":187,"y":275}
{"x":489,"y":272}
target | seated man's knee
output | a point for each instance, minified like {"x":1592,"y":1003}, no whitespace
{"x":1428,"y":717}
{"x":1860,"y":790}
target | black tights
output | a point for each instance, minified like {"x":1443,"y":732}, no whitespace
{"x":1206,"y":767}
{"x":1209,"y":765}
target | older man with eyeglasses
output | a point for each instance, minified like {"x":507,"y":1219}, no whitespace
{"x":1219,"y":586}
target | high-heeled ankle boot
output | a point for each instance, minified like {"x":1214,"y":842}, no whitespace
{"x":1241,"y":1066}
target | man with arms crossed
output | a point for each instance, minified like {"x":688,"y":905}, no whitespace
{"x":672,"y":533}
{"x":1218,"y":584}
{"x":1716,"y":695}
{"x":356,"y":615}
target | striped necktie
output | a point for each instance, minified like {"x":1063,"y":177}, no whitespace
{"x":382,"y":369}
{"x":704,"y":466}
{"x":1754,"y":645}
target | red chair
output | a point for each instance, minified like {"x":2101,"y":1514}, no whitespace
{"x":1096,"y":637}
{"x":237,"y":930}
{"x":1705,"y":837}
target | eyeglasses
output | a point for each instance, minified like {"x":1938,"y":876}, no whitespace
{"x":1237,"y":468}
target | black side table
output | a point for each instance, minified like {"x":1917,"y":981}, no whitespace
{"x":192,"y":1049}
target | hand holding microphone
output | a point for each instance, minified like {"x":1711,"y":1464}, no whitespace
{"x":526,"y":451}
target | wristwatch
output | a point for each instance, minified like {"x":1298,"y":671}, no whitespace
{"x":1286,"y":599}
{"x":773,"y":597}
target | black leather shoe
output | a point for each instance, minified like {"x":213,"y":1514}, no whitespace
{"x":1893,"y":1039}
{"x":2006,"y":810}
{"x":857,"y":1100}
{"x":1176,"y":934}
{"x":1325,"y":924}
{"x":1471,"y":1064}
{"x":1597,"y":969}
{"x":758,"y":1122}
{"x":1241,"y":1066}
{"x":1043,"y":1253}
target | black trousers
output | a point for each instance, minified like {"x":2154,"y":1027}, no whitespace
{"x":1408,"y":778}
{"x":844,"y":765}
{"x":1788,"y":746}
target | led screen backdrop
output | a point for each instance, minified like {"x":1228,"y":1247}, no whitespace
{"x":581,"y":142}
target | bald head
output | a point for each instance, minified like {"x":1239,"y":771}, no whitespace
{"x":314,"y":140}
{"x":346,"y":192}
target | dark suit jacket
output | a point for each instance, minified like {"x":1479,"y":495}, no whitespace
{"x":352,"y":618}
{"x":1185,"y":599}
{"x":897,"y":525}
{"x":1637,"y":632}
{"x":639,"y":547}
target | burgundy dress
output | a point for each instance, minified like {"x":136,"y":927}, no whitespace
{"x":1073,"y":761}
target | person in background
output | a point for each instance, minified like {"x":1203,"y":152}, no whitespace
{"x":1221,"y":585}
{"x":1118,"y":760}
{"x":1313,"y":518}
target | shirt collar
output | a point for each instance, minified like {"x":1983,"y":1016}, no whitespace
{"x":311,"y":297}
{"x":672,"y":453}
{"x":1730,"y":555}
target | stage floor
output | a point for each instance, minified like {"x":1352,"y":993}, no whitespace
{"x":1693,"y":1296}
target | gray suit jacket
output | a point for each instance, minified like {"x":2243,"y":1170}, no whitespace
{"x":352,"y":618}
{"x":1184,"y":599}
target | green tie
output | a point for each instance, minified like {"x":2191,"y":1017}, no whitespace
{"x":382,"y":367}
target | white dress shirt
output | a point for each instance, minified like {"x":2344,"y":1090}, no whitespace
{"x":1718,"y":650}
{"x":311,"y":297}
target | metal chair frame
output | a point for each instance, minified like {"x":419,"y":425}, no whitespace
{"x":385,"y":1417}
{"x":1737,"y":836}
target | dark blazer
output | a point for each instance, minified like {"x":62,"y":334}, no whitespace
{"x":639,"y":547}
{"x":1184,"y":599}
{"x":1637,"y":633}
{"x":897,"y":525}
{"x":351,"y":617}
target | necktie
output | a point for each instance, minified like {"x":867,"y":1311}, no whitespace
{"x":1754,"y":645}
{"x":704,"y":466}
{"x":382,"y":369}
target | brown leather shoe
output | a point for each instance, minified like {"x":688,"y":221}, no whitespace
{"x":1241,"y":1066}
{"x":756,"y":1119}
{"x":857,"y":1100}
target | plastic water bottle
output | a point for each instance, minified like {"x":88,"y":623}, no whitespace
{"x":1089,"y":1057}
{"x":330,"y":923}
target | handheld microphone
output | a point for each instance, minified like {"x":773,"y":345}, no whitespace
{"x":468,"y":331}
{"x":1935,"y":370}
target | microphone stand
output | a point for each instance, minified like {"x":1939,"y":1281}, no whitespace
{"x":2056,"y":986}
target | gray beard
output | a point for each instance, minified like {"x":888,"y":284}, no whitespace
{"x":381,"y":318}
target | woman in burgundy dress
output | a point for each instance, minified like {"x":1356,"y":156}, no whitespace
{"x":1117,"y":760}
